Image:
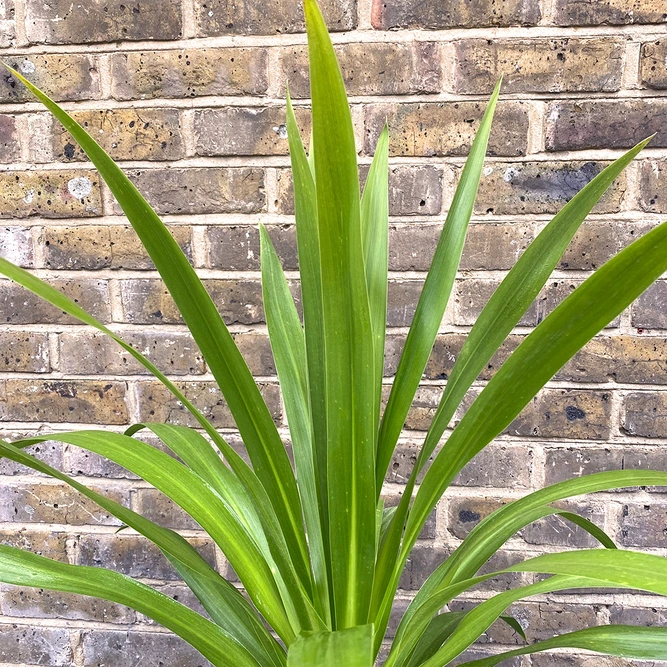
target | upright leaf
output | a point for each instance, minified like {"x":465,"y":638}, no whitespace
{"x":434,"y":297}
{"x":374,"y":237}
{"x":348,"y":337}
{"x":289,"y":351}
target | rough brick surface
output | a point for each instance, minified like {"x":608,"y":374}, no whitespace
{"x":543,"y":66}
{"x":63,"y":22}
{"x":219,"y":17}
{"x":189,"y":96}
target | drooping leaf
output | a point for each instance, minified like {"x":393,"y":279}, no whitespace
{"x":252,"y":416}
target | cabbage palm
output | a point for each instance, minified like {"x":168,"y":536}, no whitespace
{"x":317,"y":553}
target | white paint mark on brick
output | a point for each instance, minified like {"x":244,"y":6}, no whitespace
{"x":79,"y":187}
{"x":29,"y":196}
{"x":27,"y":66}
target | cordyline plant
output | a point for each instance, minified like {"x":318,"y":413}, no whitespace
{"x":317,"y":553}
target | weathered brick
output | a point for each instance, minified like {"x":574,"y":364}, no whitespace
{"x":541,"y":187}
{"x":234,"y":247}
{"x":61,"y":22}
{"x":157,"y":507}
{"x":556,"y":531}
{"x":595,"y":243}
{"x":40,"y":603}
{"x":173,"y":352}
{"x":421,"y":562}
{"x":650,"y":309}
{"x":7,"y":22}
{"x":565,"y":413}
{"x":128,"y":649}
{"x":24,"y":352}
{"x":565,"y":660}
{"x":25,"y":644}
{"x":189,"y":73}
{"x":577,"y":125}
{"x":538,"y":65}
{"x":627,"y":359}
{"x":133,"y":555}
{"x":499,"y":465}
{"x":643,"y":525}
{"x":49,"y":544}
{"x":126,"y":134}
{"x":614,"y":12}
{"x":10,"y":149}
{"x":19,"y":306}
{"x":147,"y":301}
{"x":156,"y":403}
{"x":653,"y":65}
{"x":423,"y":406}
{"x":99,"y":247}
{"x":62,"y":76}
{"x":16,"y":246}
{"x":445,"y":128}
{"x":256,"y":350}
{"x":431,"y":15}
{"x":645,"y":414}
{"x":413,"y":189}
{"x":48,"y":452}
{"x":50,"y":194}
{"x":56,"y":503}
{"x":465,"y":513}
{"x":652,"y":182}
{"x":470,"y":297}
{"x":80,"y":401}
{"x":568,"y":462}
{"x":244,"y":130}
{"x":402,"y":297}
{"x":370,"y":69}
{"x":219,"y":17}
{"x":629,"y":615}
{"x":199,"y":191}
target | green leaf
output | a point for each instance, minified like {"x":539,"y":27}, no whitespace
{"x":289,"y":351}
{"x":591,"y":528}
{"x":514,"y":296}
{"x":352,"y":647}
{"x":223,"y":358}
{"x":308,"y":246}
{"x":625,"y":641}
{"x":226,"y":606}
{"x":348,"y":352}
{"x":573,"y":569}
{"x":203,"y":504}
{"x":375,"y":239}
{"x":434,"y":636}
{"x":434,"y":297}
{"x":595,"y":303}
{"x":21,"y":568}
{"x":489,"y":536}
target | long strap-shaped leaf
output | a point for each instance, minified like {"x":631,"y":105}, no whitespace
{"x":352,"y":647}
{"x":514,"y":296}
{"x":554,"y":341}
{"x":310,"y":271}
{"x":226,"y":606}
{"x":223,"y":358}
{"x":204,"y":505}
{"x":625,"y":641}
{"x":595,"y":303}
{"x":434,"y":297}
{"x":490,"y":534}
{"x":605,"y":567}
{"x":375,"y":239}
{"x":348,"y":340}
{"x":289,"y":351}
{"x":22,"y":568}
{"x":244,"y":473}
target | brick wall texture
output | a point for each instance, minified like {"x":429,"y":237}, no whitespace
{"x":189,"y":96}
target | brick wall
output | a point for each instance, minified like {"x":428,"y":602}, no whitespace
{"x":188,"y":95}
